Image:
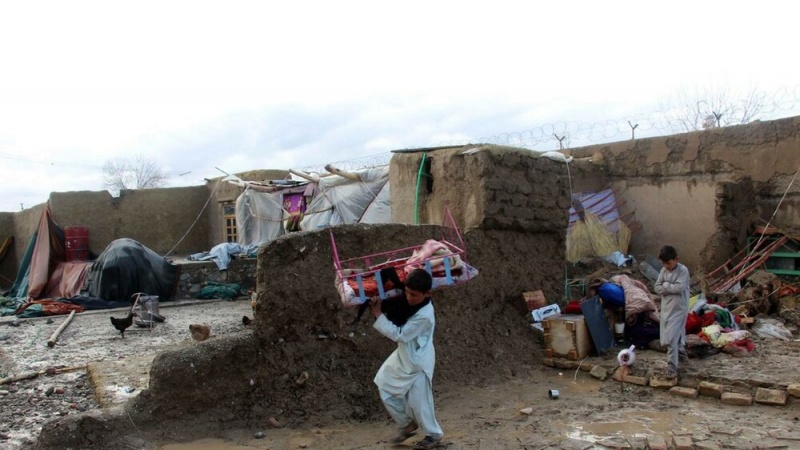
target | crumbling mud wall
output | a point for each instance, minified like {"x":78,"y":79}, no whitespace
{"x":735,"y":213}
{"x":307,"y":361}
{"x":181,"y":217}
{"x":483,"y":186}
{"x":690,"y":189}
{"x":158,"y":218}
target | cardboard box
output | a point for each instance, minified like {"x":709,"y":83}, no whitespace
{"x":541,"y":314}
{"x":566,"y":336}
{"x":534,"y":299}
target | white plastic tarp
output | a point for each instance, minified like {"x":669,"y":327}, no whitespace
{"x":380,"y":210}
{"x":259,"y":217}
{"x":344,"y":201}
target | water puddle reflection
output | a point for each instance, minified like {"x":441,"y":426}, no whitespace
{"x":633,"y":424}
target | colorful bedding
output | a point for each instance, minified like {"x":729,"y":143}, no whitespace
{"x":357,"y":289}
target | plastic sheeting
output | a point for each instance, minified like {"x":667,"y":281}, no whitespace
{"x":67,"y":279}
{"x":47,"y":252}
{"x":222,"y":254}
{"x":259,"y":217}
{"x":602,"y":204}
{"x":344,"y":201}
{"x":380,"y":210}
{"x":126,"y":267}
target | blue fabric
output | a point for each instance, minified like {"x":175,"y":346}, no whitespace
{"x":612,"y":294}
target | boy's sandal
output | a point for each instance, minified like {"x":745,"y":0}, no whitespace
{"x":427,"y":443}
{"x":402,"y":436}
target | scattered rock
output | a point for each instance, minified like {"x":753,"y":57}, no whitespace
{"x":709,"y":389}
{"x":771,"y":396}
{"x":301,"y":380}
{"x":599,"y":372}
{"x":527,"y":411}
{"x":684,"y":392}
{"x":273,"y":423}
{"x":260,"y":435}
{"x":732,"y":398}
{"x":49,"y":391}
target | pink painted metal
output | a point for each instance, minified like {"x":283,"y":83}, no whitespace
{"x":398,"y":257}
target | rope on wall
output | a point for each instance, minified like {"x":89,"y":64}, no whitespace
{"x":195,"y":220}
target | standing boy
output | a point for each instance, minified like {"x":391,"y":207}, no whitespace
{"x":405,"y":378}
{"x":673,"y":286}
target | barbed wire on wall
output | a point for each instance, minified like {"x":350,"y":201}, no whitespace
{"x":567,"y":134}
{"x":351,"y":165}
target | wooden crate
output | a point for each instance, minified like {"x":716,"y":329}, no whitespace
{"x":566,"y":336}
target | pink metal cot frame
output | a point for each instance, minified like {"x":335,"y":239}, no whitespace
{"x":366,"y":264}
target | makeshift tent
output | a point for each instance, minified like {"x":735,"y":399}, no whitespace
{"x":43,"y":271}
{"x":266,"y":210}
{"x":45,"y":280}
{"x":127,"y":267}
{"x":343,"y":200}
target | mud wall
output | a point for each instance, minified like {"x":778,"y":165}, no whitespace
{"x":672,"y":222}
{"x":309,"y":363}
{"x":158,"y":218}
{"x":487,"y":187}
{"x":8,"y":263}
{"x":194,"y":275}
{"x":681,"y":186}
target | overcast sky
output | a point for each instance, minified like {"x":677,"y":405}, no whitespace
{"x":247,"y":85}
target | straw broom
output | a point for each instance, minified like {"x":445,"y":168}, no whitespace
{"x":602,"y":242}
{"x":588,"y":237}
{"x":578,"y":244}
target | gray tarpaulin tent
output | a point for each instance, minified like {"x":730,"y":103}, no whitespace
{"x":345,"y":201}
{"x":261,"y":215}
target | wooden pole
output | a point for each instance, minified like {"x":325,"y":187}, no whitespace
{"x":24,"y":376}
{"x":29,"y":375}
{"x":52,"y":341}
{"x":342,"y":173}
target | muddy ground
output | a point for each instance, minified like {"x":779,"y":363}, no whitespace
{"x":118,"y":368}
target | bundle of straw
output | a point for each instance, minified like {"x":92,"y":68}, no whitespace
{"x":603,"y":243}
{"x":589,"y":237}
{"x":578,"y":245}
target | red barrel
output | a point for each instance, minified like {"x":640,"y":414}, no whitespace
{"x":77,"y":240}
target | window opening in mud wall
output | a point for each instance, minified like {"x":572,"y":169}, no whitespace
{"x":426,"y":172}
{"x":229,"y":222}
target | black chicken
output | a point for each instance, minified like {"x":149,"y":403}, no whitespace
{"x":123,"y":324}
